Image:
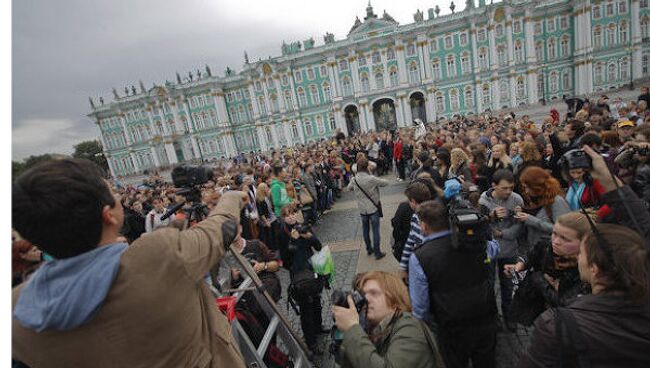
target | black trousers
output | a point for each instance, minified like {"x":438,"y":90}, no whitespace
{"x":401,"y":169}
{"x":476,"y":342}
{"x":311,"y":318}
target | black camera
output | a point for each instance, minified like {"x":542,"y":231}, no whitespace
{"x":470,"y":229}
{"x":186,"y":176}
{"x":302,"y":228}
{"x":340,"y":298}
{"x":575,"y":159}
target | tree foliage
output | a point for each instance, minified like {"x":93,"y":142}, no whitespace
{"x":91,"y":150}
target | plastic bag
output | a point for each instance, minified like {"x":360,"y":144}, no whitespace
{"x":323,"y":263}
{"x":493,"y":248}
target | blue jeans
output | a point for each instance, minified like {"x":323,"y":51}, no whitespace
{"x":366,"y":222}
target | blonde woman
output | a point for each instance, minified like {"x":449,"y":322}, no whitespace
{"x":460,"y":165}
{"x":268,"y":224}
{"x":499,"y":159}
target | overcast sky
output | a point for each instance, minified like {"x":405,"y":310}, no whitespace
{"x":67,"y":50}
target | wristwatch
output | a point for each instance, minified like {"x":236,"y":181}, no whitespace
{"x":266,"y":266}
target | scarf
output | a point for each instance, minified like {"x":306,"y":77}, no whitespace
{"x":574,"y":194}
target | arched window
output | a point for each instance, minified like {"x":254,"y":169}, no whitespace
{"x":611,"y":73}
{"x":520,"y":88}
{"x":379,"y":80}
{"x":566,"y":80}
{"x":435,"y":70}
{"x":482,"y":58}
{"x":261,"y":104}
{"x":519,"y":52}
{"x":465,"y":64}
{"x":487,"y":96}
{"x":454,"y":100}
{"x":551,"y":49}
{"x":233,"y":115}
{"x":539,"y":51}
{"x":313,"y":91}
{"x":501,"y":55}
{"x":302,"y":97}
{"x":394,"y":78}
{"x":598,"y":38}
{"x":332,"y":121}
{"x":645,"y":28}
{"x":288,"y":100}
{"x":376,"y":57}
{"x":624,"y":66}
{"x":499,"y":30}
{"x":440,"y":102}
{"x":469,"y":98}
{"x":269,"y":135}
{"x":309,"y":131}
{"x":213,"y":117}
{"x":598,"y":74}
{"x":622,"y":31}
{"x":553,"y":82}
{"x":451,"y":66}
{"x":611,"y":35}
{"x":365,"y":83}
{"x":242,"y":112}
{"x":346,"y":86}
{"x":504,"y":90}
{"x":327,"y":92}
{"x":275,"y":106}
{"x":319,"y":125}
{"x":414,"y":73}
{"x":390,"y":54}
{"x":564,"y":47}
{"x":294,"y":130}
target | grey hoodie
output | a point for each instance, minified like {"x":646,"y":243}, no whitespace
{"x":509,"y":226}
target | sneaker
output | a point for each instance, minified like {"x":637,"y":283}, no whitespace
{"x":380,"y":255}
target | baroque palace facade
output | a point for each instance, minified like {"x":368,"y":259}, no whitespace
{"x":381,"y":76}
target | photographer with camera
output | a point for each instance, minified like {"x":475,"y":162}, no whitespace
{"x":500,"y":203}
{"x":297,"y":245}
{"x":98,"y":303}
{"x":610,"y":326}
{"x":392,"y":336}
{"x":449,"y":289}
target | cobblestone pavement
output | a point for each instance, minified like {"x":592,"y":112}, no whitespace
{"x":340,"y":228}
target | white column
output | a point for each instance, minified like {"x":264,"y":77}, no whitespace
{"x":294,"y":96}
{"x":408,"y":114}
{"x":431,"y":106}
{"x":399,"y":112}
{"x":637,"y":54}
{"x":136,"y":167}
{"x":370,"y":120}
{"x":474,"y":42}
{"x":496,"y":93}
{"x":171,"y":153}
{"x":340,"y":120}
{"x":177,"y":122}
{"x":301,"y":133}
{"x":287,"y":133}
{"x":274,"y":136}
{"x":333,"y":75}
{"x":267,"y":100}
{"x":188,"y":115}
{"x":229,"y":141}
{"x":195,"y":147}
{"x":529,"y":39}
{"x":256,"y":110}
{"x":355,"y":74}
{"x":261,"y":137}
{"x":123,"y":125}
{"x":220,"y":106}
{"x":424,"y":75}
{"x":494,"y":62}
{"x":401,"y":63}
{"x":513,"y":90}
{"x":154,"y":154}
{"x":532,"y":87}
{"x":511,"y":56}
{"x":363,"y":119}
{"x":479,"y":98}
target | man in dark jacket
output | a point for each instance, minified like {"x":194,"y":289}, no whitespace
{"x":449,"y":288}
{"x":610,"y":327}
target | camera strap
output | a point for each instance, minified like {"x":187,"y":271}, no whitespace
{"x":366,"y":194}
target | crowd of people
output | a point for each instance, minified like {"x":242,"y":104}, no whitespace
{"x":566,"y":202}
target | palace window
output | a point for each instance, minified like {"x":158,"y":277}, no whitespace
{"x":261,"y":102}
{"x":645,"y":64}
{"x":435,"y":69}
{"x":242,"y":113}
{"x":463,"y":39}
{"x":645,"y":29}
{"x":448,"y":42}
{"x":566,"y":80}
{"x":239,"y":96}
{"x":298,"y":75}
{"x":487,"y":99}
{"x":469,"y":98}
{"x":465,"y":64}
{"x":229,"y":98}
{"x":285,"y":80}
{"x":343,"y":65}
{"x":433,"y":45}
{"x":365,"y":83}
{"x":611,"y":35}
{"x":550,"y":25}
{"x":440,"y":102}
{"x":551,"y":49}
{"x":390,"y":54}
{"x":501,"y":55}
{"x":269,"y":135}
{"x":410,"y":49}
{"x":346,"y":86}
{"x":309,"y":131}
{"x":294,"y":130}
{"x":376,"y":57}
{"x":538,"y":28}
{"x":643,"y":4}
{"x":247,"y":94}
{"x":394,"y":78}
{"x":332,"y":121}
{"x":622,"y":30}
{"x":564,"y":47}
{"x":275,"y":106}
{"x":516,"y":26}
{"x":499,"y":30}
{"x":504,"y":90}
{"x":233,"y":115}
{"x":520,"y":88}
{"x":540,"y":85}
{"x":310,"y":74}
{"x":598,"y":74}
{"x":482,"y":58}
{"x":454,"y":100}
{"x":323,"y":71}
{"x":288,"y":100}
{"x":564,"y":22}
{"x":539,"y":51}
{"x":519,"y":52}
{"x":598,"y":38}
{"x":302,"y":97}
{"x":313,"y":91}
{"x":595,"y":11}
{"x":414,"y":73}
{"x":611,"y":73}
{"x":379,"y":80}
{"x":362,"y":60}
{"x":451,"y":66}
{"x":481,"y":35}
{"x":327,"y":91}
{"x":320,"y":127}
{"x":609,"y":9}
{"x":622,"y":7}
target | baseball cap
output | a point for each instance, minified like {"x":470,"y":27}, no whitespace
{"x":625,"y":123}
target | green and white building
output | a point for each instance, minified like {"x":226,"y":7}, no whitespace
{"x":381,"y":76}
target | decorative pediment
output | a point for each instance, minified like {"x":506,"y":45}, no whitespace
{"x":371,"y":22}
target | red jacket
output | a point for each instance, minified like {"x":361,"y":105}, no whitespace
{"x":397,"y":151}
{"x":592,"y":197}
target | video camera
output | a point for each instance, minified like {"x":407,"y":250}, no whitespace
{"x":340,"y":298}
{"x":470,"y":229}
{"x":187,"y":176}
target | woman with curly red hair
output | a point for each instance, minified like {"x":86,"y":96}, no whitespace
{"x":544,"y":203}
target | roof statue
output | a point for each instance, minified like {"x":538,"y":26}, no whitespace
{"x":178,"y":78}
{"x":133,"y":92}
{"x":115,"y":93}
{"x":101,"y":100}
{"x":126,"y":91}
{"x":309,"y":44}
{"x":291,"y":48}
{"x":142,"y":89}
{"x":418,"y":16}
{"x":452,"y":6}
{"x":228,"y":71}
{"x":92,"y":104}
{"x":437,"y":10}
{"x":191,"y":76}
{"x":246,"y":54}
{"x":357,"y":23}
{"x":208,"y":71}
{"x":198,"y":74}
{"x":469,"y":4}
{"x":328,"y":38}
{"x":387,"y":17}
{"x":369,"y":12}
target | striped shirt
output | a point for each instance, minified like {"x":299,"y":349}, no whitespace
{"x":412,"y":242}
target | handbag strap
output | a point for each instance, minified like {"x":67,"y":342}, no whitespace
{"x":573,"y":348}
{"x":366,"y":194}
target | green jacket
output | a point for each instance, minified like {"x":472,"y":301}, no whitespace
{"x":279,"y":195}
{"x":405,"y":346}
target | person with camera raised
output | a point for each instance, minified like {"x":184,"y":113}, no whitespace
{"x":102,"y":303}
{"x":392,"y":336}
{"x":609,"y":327}
{"x":297,"y":245}
{"x":449,"y":289}
{"x":499,"y":203}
